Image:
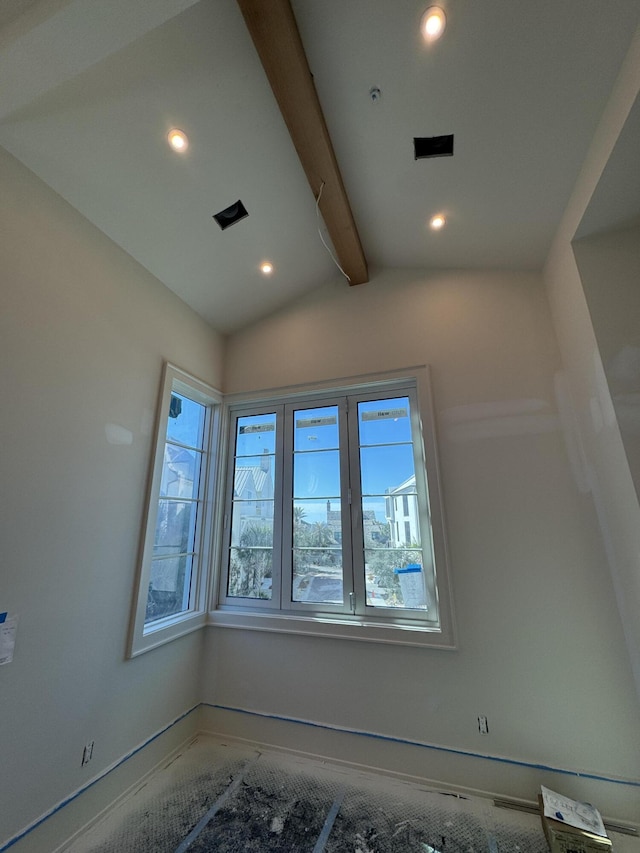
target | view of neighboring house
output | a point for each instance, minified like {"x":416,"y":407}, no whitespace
{"x":179,"y":472}
{"x":376,"y":533}
{"x":175,"y":532}
{"x":402,"y":514}
{"x":252,"y":495}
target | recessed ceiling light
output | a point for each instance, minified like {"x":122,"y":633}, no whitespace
{"x":437,"y":222}
{"x":178,"y":139}
{"x":433,"y":23}
{"x":266,"y":268}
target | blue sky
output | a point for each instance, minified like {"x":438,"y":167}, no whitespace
{"x":187,"y":427}
{"x":386,"y":457}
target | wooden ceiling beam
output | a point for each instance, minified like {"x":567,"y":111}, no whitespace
{"x":272,"y":26}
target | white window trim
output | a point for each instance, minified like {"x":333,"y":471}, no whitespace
{"x":141,"y":638}
{"x":343,"y":626}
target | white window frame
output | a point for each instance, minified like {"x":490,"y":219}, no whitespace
{"x":143,"y":637}
{"x":387,"y":627}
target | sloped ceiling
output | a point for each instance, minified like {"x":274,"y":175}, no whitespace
{"x":91,"y":88}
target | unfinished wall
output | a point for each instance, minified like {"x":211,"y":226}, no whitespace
{"x":541,"y":650}
{"x":84,"y":331}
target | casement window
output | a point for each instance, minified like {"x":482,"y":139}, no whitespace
{"x":172,"y":582}
{"x":347,"y":533}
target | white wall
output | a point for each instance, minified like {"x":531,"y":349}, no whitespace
{"x":607,"y":468}
{"x":609,"y":267}
{"x":84,"y":331}
{"x":541,"y":650}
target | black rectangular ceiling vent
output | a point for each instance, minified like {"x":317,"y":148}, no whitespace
{"x":433,"y":146}
{"x":230,"y":215}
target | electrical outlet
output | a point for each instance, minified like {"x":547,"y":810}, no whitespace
{"x":483,"y":725}
{"x":87,"y":753}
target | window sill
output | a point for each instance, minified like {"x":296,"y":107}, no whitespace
{"x":353,"y":628}
{"x":166,"y":631}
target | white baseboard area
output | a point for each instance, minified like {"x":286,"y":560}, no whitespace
{"x":434,"y":766}
{"x":55,"y":830}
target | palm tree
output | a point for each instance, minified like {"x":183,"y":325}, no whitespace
{"x":251,"y":562}
{"x":321,"y":535}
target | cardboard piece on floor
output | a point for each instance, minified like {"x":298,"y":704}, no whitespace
{"x":564,"y":838}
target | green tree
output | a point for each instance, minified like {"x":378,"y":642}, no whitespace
{"x":321,"y":535}
{"x":251,"y":562}
{"x":381,"y":564}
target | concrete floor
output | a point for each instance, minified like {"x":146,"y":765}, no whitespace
{"x":219,"y":797}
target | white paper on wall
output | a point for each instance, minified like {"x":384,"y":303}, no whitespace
{"x":8,"y":628}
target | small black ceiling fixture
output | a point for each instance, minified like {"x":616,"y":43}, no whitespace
{"x":230,"y":215}
{"x":433,"y":146}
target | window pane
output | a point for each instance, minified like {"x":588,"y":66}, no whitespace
{"x":317,"y":552}
{"x":376,"y":527}
{"x":251,"y":543}
{"x":180,"y":472}
{"x":175,"y":527}
{"x":255,"y":435}
{"x":316,"y":475}
{"x":404,"y":522}
{"x":395,"y":578}
{"x":249,"y":530}
{"x":253,"y":478}
{"x":378,"y":595}
{"x":384,"y":421}
{"x":394,"y":574}
{"x":317,"y":524}
{"x":250,"y":572}
{"x":251,"y":552}
{"x":385,"y":469}
{"x":318,"y":576}
{"x":316,"y":521}
{"x":186,"y":420}
{"x":316,"y":429}
{"x":169,"y":587}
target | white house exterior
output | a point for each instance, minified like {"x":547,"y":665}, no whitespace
{"x":402,"y":514}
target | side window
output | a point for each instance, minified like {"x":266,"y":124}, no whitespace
{"x":179,"y":511}
{"x":171,"y":595}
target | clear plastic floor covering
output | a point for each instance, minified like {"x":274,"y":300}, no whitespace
{"x":217,"y":797}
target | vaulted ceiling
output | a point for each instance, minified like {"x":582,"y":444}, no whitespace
{"x":90,"y":89}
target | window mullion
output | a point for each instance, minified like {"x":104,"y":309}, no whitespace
{"x":285,"y":528}
{"x":355,"y":508}
{"x":347,"y":506}
{"x":201,"y":542}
